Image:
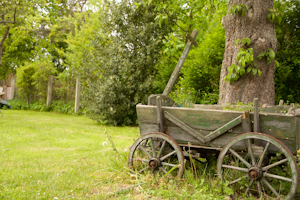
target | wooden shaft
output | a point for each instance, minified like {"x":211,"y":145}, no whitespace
{"x":159,"y":114}
{"x":50,"y":85}
{"x":179,"y":65}
{"x":77,"y":96}
{"x":256,"y":115}
{"x":12,"y":88}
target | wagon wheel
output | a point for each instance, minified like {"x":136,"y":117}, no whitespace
{"x":254,"y":171}
{"x":156,"y":152}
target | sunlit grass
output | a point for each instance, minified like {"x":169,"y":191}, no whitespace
{"x":55,"y":156}
{"x":48,"y":155}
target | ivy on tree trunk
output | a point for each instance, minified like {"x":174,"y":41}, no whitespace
{"x":253,"y":24}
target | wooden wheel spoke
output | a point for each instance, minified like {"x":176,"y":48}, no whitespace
{"x":262,"y":177}
{"x":249,"y":186}
{"x":141,"y":159}
{"x":152,"y":171}
{"x":145,"y":151}
{"x":237,"y":180}
{"x":259,"y":188}
{"x":251,"y":152}
{"x":240,"y":157}
{"x":168,"y":155}
{"x":168,"y":164}
{"x":143,"y":169}
{"x":163,"y":169}
{"x":277,"y":177}
{"x":153,"y":147}
{"x":270,"y":187}
{"x":274,"y":164}
{"x":161,"y":148}
{"x":263,"y":155}
{"x":236,"y":168}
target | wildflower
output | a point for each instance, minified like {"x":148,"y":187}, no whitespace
{"x":125,"y":150}
{"x":104,"y":143}
{"x":55,"y":198}
{"x":57,"y":174}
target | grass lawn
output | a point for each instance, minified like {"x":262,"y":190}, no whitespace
{"x":49,"y":156}
{"x":54,"y":156}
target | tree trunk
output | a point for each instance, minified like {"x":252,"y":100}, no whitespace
{"x":2,"y":42}
{"x":255,"y":26}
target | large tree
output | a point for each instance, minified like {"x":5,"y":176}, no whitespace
{"x":248,"y":65}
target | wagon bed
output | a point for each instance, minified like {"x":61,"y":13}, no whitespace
{"x":256,"y":149}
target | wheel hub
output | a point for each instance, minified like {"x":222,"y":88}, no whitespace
{"x":255,"y":173}
{"x":154,"y":163}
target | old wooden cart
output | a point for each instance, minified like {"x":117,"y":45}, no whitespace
{"x":256,"y":149}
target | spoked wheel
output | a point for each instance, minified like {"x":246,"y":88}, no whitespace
{"x":156,"y":153}
{"x":266,"y":171}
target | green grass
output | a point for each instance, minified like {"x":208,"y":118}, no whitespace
{"x":56,"y":156}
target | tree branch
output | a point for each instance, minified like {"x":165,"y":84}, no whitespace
{"x":174,"y":21}
{"x":7,"y":22}
{"x":5,"y":36}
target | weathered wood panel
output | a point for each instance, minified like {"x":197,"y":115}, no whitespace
{"x":282,"y":127}
{"x":278,"y":126}
{"x":297,"y":129}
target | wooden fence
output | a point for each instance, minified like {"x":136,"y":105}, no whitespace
{"x":9,"y":88}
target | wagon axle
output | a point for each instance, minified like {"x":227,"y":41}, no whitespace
{"x":255,"y":173}
{"x":154,"y":163}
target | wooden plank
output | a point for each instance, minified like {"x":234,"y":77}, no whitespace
{"x":256,"y":115}
{"x":184,"y":126}
{"x":179,"y":65}
{"x":223,"y":129}
{"x":246,"y":122}
{"x":201,"y":118}
{"x":196,"y":118}
{"x":77,"y":96}
{"x":281,"y":102}
{"x":12,"y":91}
{"x":49,"y":95}
{"x":205,"y":106}
{"x":297,"y":128}
{"x":278,"y":126}
{"x":159,"y":114}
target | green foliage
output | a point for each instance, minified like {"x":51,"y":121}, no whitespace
{"x":239,"y":8}
{"x":25,"y":81}
{"x":287,"y":75}
{"x":269,"y":54}
{"x":33,"y":79}
{"x":201,"y":70}
{"x":275,"y":13}
{"x":56,"y":106}
{"x":117,"y":70}
{"x":245,"y":62}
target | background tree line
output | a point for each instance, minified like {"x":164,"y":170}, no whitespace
{"x":124,"y":51}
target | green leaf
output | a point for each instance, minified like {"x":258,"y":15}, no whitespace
{"x":242,"y":71}
{"x":254,"y":70}
{"x":249,"y":69}
{"x":259,"y":73}
{"x":236,"y":42}
{"x":272,"y":54}
{"x":261,"y":55}
{"x":243,"y":13}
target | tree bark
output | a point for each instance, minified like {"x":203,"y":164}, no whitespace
{"x":2,"y":42}
{"x":255,"y":26}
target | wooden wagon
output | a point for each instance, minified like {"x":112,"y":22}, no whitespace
{"x":256,"y":149}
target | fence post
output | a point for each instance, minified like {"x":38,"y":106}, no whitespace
{"x":77,"y":96}
{"x":12,"y":88}
{"x":50,"y":85}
